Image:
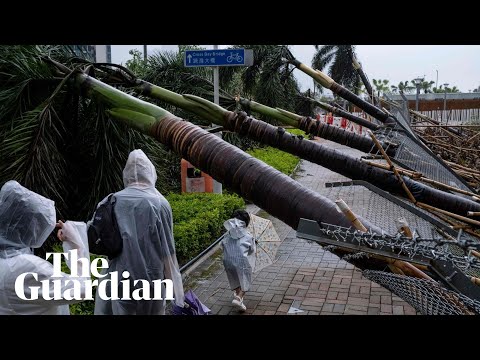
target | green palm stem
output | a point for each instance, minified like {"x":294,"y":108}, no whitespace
{"x":343,"y":164}
{"x":273,"y":191}
{"x":327,"y":82}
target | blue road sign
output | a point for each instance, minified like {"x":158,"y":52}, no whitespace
{"x":219,"y":57}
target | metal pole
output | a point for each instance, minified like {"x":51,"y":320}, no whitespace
{"x":436,"y":84}
{"x":418,"y":92}
{"x":216,"y":98}
{"x":217,"y":187}
{"x":145,"y":53}
{"x":445,"y":104}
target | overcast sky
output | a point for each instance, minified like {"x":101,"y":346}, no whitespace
{"x":457,"y":65}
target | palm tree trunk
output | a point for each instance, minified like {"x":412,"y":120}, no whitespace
{"x":346,"y":94}
{"x":358,"y":67}
{"x":276,"y":193}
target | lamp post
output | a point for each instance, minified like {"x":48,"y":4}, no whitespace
{"x":445,"y":102}
{"x":418,"y":81}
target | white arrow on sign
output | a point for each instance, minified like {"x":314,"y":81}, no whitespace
{"x":189,"y":58}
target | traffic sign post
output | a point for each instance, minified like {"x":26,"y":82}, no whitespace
{"x":215,"y":58}
{"x":217,"y":186}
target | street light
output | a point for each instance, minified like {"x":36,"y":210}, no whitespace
{"x":445,"y":101}
{"x":418,"y":81}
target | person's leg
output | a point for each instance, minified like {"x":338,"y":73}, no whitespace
{"x":238,"y":299}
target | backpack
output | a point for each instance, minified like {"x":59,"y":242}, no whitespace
{"x":103,"y":235}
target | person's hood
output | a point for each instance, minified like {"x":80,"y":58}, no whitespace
{"x":139,"y":171}
{"x":236,"y":228}
{"x":26,"y":218}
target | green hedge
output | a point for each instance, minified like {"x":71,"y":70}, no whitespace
{"x":198,"y":220}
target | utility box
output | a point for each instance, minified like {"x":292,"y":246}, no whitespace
{"x":194,"y":180}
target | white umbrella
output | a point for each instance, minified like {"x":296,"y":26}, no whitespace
{"x":267,"y":242}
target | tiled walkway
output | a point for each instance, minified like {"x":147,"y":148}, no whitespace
{"x":305,"y":279}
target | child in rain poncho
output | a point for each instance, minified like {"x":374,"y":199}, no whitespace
{"x":238,"y":250}
{"x":26,"y":220}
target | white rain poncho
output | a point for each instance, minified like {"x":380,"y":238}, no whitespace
{"x":26,"y":220}
{"x":145,"y":222}
{"x":238,"y":250}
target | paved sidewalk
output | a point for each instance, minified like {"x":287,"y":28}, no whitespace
{"x":304,"y":277}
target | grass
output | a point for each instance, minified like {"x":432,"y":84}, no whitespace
{"x":278,"y":159}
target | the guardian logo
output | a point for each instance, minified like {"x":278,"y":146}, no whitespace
{"x":81,"y":286}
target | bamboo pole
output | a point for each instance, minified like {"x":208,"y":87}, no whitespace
{"x":462,"y":167}
{"x":397,"y":266}
{"x":448,"y":126}
{"x":392,"y":167}
{"x":475,"y":280}
{"x":455,"y":216}
{"x":473,"y":137}
{"x":416,"y":175}
{"x":403,"y":227}
{"x":453,"y":224}
{"x":411,"y":197}
{"x":350,"y":215}
{"x":473,"y":213}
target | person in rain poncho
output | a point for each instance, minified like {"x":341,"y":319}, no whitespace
{"x":238,"y":250}
{"x":145,"y":222}
{"x":26,"y":220}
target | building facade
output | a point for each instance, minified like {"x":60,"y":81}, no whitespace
{"x":95,"y":53}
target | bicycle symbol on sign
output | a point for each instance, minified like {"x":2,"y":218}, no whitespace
{"x":234,"y":56}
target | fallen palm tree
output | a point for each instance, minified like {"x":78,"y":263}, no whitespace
{"x":348,"y":166}
{"x":266,"y":187}
{"x":307,"y":124}
{"x":412,"y":153}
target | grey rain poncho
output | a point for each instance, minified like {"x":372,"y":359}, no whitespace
{"x":238,"y":251}
{"x":26,"y":220}
{"x":145,"y":222}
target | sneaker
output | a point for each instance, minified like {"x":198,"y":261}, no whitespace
{"x":238,"y":303}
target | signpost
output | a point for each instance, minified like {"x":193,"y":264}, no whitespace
{"x":215,"y":58}
{"x":218,"y":57}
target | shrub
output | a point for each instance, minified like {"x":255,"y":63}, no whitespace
{"x":198,"y":220}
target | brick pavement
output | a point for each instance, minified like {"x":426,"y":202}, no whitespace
{"x":304,"y":276}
